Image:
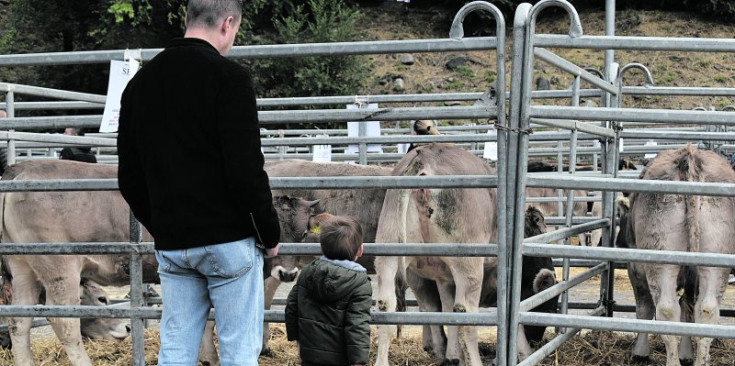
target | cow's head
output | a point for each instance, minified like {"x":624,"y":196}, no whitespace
{"x":100,"y":328}
{"x":538,"y":275}
{"x":534,"y":223}
{"x":294,"y":214}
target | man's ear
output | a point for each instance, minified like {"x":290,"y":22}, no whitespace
{"x":227,"y":24}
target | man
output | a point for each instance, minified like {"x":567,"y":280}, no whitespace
{"x":191,"y":169}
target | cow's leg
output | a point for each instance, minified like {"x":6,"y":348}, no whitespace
{"x":427,"y":295}
{"x":65,"y":291}
{"x":207,"y":352}
{"x":644,"y":309}
{"x":524,"y":348}
{"x":453,"y":353}
{"x":712,"y":283}
{"x":386,"y":269}
{"x":686,"y":350}
{"x":467,"y":274}
{"x":662,"y":282}
{"x":271,"y":285}
{"x":25,"y":292}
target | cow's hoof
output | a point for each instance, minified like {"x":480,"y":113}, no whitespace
{"x":453,"y":362}
{"x":640,"y":359}
{"x":459,"y":308}
{"x":686,"y":362}
{"x":266,"y":351}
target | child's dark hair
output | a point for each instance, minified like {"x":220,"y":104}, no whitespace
{"x":340,"y":238}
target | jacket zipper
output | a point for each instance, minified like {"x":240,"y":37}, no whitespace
{"x":261,"y":244}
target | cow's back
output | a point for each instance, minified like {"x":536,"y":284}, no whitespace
{"x":466,"y":215}
{"x":362,"y":205}
{"x":75,"y":216}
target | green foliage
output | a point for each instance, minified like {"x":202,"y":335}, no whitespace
{"x":465,"y":71}
{"x":316,"y":21}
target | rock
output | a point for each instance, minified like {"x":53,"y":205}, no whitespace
{"x":542,"y":83}
{"x":407,"y":59}
{"x":456,"y":62}
{"x":398,"y":84}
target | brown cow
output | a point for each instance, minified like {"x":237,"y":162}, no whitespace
{"x":93,"y":328}
{"x":662,"y":221}
{"x":57,"y":217}
{"x":429,"y":216}
{"x":552,"y":208}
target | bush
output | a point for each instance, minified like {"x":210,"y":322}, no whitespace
{"x":314,"y":22}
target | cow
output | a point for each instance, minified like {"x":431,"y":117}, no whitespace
{"x":552,"y":208}
{"x":92,"y":328}
{"x":430,"y":215}
{"x":663,"y":221}
{"x":595,"y":237}
{"x":537,"y":274}
{"x":58,"y":217}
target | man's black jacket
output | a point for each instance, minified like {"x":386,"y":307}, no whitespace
{"x":191,"y":165}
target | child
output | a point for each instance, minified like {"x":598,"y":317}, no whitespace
{"x":328,"y":310}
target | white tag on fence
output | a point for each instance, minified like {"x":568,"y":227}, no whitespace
{"x":372,"y":129}
{"x":322,"y":153}
{"x":491,"y":147}
{"x":120,"y":73}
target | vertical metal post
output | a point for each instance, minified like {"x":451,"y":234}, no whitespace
{"x":609,"y":31}
{"x":570,"y":199}
{"x":521,"y":172}
{"x":507,"y":306}
{"x":610,"y":165}
{"x":362,"y":132}
{"x":10,"y":108}
{"x":136,"y":294}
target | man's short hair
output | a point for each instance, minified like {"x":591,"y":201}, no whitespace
{"x":340,"y":238}
{"x":208,"y":13}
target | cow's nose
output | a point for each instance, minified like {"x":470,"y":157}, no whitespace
{"x":287,"y":276}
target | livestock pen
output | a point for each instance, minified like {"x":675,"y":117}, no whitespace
{"x":515,"y":144}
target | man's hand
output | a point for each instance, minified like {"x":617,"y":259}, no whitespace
{"x":272,"y":252}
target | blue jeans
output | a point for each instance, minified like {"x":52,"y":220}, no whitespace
{"x":227,"y":276}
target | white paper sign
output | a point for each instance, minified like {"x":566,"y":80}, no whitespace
{"x":402,"y":148}
{"x":322,"y":153}
{"x":650,"y":155}
{"x":120,"y":73}
{"x":372,"y":129}
{"x":491,"y":147}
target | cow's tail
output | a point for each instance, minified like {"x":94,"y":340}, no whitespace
{"x":689,"y":170}
{"x":404,"y":197}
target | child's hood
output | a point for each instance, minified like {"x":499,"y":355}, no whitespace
{"x":328,"y":280}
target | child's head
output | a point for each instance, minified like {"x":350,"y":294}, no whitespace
{"x":341,"y":238}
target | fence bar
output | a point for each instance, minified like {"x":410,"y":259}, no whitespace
{"x":555,"y":343}
{"x":631,"y":255}
{"x":629,"y":325}
{"x":576,"y":125}
{"x":635,"y":114}
{"x":636,"y":43}
{"x":551,"y":292}
{"x":573,"y":69}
